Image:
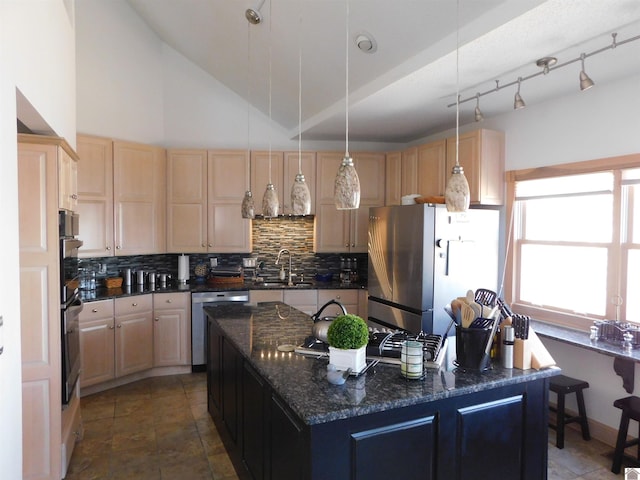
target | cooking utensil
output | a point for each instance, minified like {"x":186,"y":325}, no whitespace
{"x":481,"y":322}
{"x":486,"y":358}
{"x":467,"y":314}
{"x":486,"y":297}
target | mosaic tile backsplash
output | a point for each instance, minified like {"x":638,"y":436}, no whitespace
{"x":269,"y":236}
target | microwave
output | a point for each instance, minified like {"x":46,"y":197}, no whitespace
{"x":68,"y":223}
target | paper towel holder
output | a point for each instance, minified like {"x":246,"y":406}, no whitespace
{"x":183,"y":269}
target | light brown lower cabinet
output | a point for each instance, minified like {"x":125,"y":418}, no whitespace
{"x":171,"y":329}
{"x":133,"y":334}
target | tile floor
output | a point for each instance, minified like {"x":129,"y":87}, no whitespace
{"x":153,"y":429}
{"x":159,"y":429}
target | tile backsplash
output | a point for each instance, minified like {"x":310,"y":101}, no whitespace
{"x":269,"y":236}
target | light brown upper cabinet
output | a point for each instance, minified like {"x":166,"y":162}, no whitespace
{"x":482,"y":157}
{"x":121,"y":190}
{"x":228,"y":231}
{"x":187,"y":185}
{"x":284,"y":168}
{"x":346,"y":230}
{"x":204,"y":194}
{"x":95,"y":196}
{"x":426,"y":168}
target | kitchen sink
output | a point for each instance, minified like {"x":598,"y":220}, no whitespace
{"x":284,"y":284}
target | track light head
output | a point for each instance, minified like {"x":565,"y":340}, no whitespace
{"x":518,"y":102}
{"x":478,"y":113}
{"x":585,"y":82}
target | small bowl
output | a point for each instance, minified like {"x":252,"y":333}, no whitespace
{"x":324,"y":277}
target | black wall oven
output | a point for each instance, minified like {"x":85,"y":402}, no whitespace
{"x":70,"y":303}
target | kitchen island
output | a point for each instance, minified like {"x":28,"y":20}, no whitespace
{"x":282,"y":419}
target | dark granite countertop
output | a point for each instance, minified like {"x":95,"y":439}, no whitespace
{"x":258,"y":331}
{"x":581,"y":339}
{"x":192,"y":287}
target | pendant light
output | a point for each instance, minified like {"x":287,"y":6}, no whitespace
{"x":248,"y":206}
{"x":270,"y":203}
{"x":300,"y":194}
{"x":346,"y":192}
{"x":456,"y":195}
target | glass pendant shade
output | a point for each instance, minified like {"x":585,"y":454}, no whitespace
{"x":248,"y":207}
{"x":270,"y":203}
{"x":346,"y":192}
{"x":456,"y":195}
{"x":300,"y":196}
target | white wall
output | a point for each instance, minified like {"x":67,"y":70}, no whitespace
{"x":36,"y":56}
{"x":132,"y":86}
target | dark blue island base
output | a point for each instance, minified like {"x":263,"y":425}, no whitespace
{"x":281,"y":419}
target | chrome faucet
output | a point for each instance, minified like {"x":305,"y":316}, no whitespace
{"x":284,"y":250}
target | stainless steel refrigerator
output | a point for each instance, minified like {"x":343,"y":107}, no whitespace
{"x":421,"y":257}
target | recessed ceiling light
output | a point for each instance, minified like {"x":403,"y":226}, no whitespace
{"x":365,"y":42}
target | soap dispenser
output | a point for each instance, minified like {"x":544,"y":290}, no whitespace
{"x":282,"y":275}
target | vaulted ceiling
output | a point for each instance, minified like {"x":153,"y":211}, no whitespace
{"x":400,"y":92}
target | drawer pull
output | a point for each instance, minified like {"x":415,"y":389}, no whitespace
{"x":94,"y":310}
{"x":169,"y":300}
{"x":134,"y":304}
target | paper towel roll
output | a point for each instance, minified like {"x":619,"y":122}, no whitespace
{"x":183,"y":268}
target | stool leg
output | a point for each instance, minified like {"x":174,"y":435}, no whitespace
{"x":583,"y":416}
{"x":560,"y":422}
{"x":620,"y":442}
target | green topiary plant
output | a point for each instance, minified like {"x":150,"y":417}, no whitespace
{"x":348,"y":331}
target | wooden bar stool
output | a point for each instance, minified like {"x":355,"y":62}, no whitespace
{"x":563,"y":385}
{"x":630,"y":407}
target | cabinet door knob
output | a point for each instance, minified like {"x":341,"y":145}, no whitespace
{"x":117,"y":247}
{"x":203,"y":245}
{"x":119,"y":325}
{"x":168,"y":300}
{"x":346,"y":245}
{"x":108,"y":247}
{"x":210,"y":245}
{"x":157,"y":319}
{"x":94,"y":310}
{"x":74,"y":196}
{"x":338,"y":297}
{"x":353,"y":245}
{"x":111,"y":327}
{"x":134,"y":304}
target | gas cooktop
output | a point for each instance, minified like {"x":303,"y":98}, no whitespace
{"x":386,"y":347}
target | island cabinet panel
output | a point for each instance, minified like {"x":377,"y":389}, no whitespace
{"x":287,"y":459}
{"x":231,"y":370}
{"x":391,"y":442}
{"x":477,"y":426}
{"x":214,"y":368}
{"x":253,"y":425}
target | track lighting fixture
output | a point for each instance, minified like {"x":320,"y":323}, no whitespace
{"x":585,"y":82}
{"x":547,"y":64}
{"x":518,"y":102}
{"x":478,"y":113}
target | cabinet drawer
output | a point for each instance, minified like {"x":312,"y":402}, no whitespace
{"x":297,"y":297}
{"x":171,"y":301}
{"x":135,"y":304}
{"x":96,"y":310}
{"x":343,"y":296}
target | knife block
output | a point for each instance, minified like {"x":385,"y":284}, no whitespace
{"x":522,"y":354}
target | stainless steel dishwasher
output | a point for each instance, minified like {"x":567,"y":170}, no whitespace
{"x":200,"y":300}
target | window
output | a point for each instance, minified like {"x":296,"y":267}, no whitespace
{"x":575,"y":242}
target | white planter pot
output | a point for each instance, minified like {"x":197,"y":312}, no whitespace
{"x":353,"y":358}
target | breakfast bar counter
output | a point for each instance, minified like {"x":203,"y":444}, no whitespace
{"x":283,"y":419}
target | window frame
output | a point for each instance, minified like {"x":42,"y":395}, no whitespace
{"x":616,"y":278}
